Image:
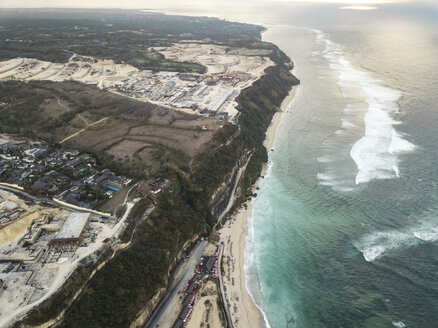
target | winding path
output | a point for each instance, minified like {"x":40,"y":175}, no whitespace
{"x":82,"y":130}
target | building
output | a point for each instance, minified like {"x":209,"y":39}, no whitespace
{"x":178,"y":323}
{"x":155,"y":190}
{"x":35,"y":152}
{"x":189,"y":299}
{"x":185,"y":313}
{"x":188,"y":77}
{"x":108,"y":180}
{"x":160,"y":182}
{"x":71,"y":231}
{"x":37,"y":228}
{"x":191,"y":288}
{"x":208,"y":264}
{"x":217,"y":103}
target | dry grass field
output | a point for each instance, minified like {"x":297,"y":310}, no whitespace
{"x":84,"y":117}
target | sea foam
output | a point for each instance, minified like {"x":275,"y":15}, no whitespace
{"x":252,"y":282}
{"x":376,"y":153}
{"x":382,"y":243}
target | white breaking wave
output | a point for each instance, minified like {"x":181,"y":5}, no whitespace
{"x":381,"y":243}
{"x":425,"y":235}
{"x":376,"y":153}
{"x":252,"y":283}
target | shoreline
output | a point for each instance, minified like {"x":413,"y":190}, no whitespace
{"x":276,"y":120}
{"x":233,"y":235}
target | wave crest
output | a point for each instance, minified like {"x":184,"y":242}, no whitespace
{"x":376,"y":152}
{"x":379,"y":244}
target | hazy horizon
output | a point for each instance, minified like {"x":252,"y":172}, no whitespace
{"x":138,"y":4}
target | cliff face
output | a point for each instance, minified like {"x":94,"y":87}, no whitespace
{"x":149,"y":307}
{"x":257,"y":105}
{"x":125,"y":291}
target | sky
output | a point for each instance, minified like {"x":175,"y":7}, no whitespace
{"x":163,"y":3}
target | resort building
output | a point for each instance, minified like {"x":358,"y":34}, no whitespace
{"x":71,"y":231}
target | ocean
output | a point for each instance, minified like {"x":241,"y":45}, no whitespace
{"x":344,"y":230}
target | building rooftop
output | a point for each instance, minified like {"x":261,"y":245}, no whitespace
{"x":73,"y":225}
{"x":208,"y":264}
{"x":178,"y":323}
{"x":188,"y":300}
{"x":184,"y":313}
{"x":191,"y":288}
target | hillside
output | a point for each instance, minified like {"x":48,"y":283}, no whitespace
{"x":122,"y":288}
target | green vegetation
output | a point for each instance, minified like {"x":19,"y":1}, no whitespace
{"x":156,"y":61}
{"x":26,"y":113}
{"x":124,"y":36}
{"x":33,"y":111}
{"x":61,"y":300}
{"x":120,"y":290}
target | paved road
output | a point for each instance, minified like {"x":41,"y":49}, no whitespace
{"x":23,"y":193}
{"x":222,"y":291}
{"x":189,"y":268}
{"x":45,"y":200}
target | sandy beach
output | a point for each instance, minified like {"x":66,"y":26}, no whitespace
{"x":243,"y":310}
{"x":272,"y":130}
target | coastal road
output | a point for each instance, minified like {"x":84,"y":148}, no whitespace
{"x":188,"y":267}
{"x":233,"y":192}
{"x":221,"y":287}
{"x":22,"y":193}
{"x":44,"y":200}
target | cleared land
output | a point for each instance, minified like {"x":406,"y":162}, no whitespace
{"x":206,"y":312}
{"x":120,"y":35}
{"x":30,"y":268}
{"x":117,"y":294}
{"x":228,"y":71}
{"x":128,"y":131}
{"x":219,"y":59}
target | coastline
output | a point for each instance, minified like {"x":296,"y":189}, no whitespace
{"x":276,"y":119}
{"x":233,"y":236}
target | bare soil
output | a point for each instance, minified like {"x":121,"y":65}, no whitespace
{"x":127,"y":148}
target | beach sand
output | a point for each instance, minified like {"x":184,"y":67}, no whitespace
{"x":206,"y":309}
{"x":243,"y":310}
{"x":272,"y":130}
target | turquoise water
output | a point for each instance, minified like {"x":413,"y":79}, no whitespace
{"x":110,"y":186}
{"x":345,"y":225}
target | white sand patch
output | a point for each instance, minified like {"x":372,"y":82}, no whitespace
{"x":227,"y":69}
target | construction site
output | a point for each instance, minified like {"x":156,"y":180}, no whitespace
{"x":228,"y":71}
{"x":40,"y":246}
